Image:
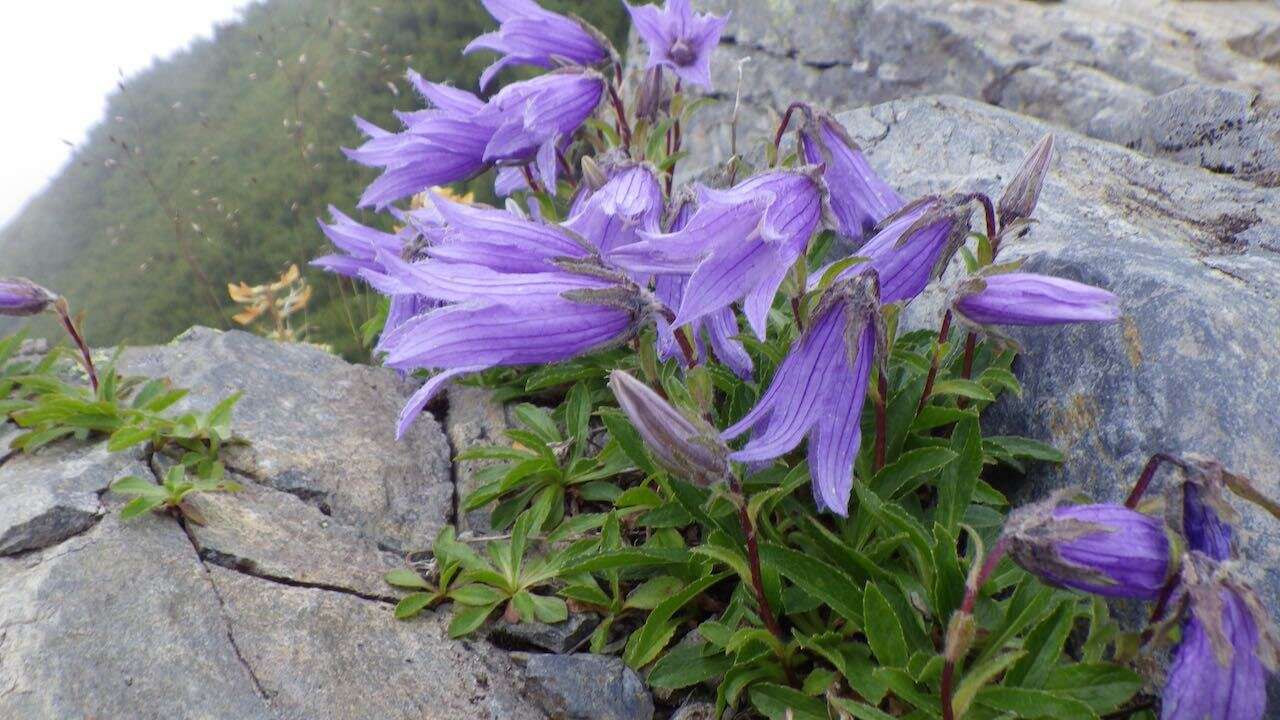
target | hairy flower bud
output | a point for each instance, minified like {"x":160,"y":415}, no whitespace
{"x":1018,"y":298}
{"x":1023,"y":191}
{"x":19,"y":297}
{"x":1107,"y":550}
{"x":679,"y":445}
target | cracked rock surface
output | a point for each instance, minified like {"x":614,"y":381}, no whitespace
{"x":1196,"y":82}
{"x":1195,"y":260}
{"x":274,"y":607}
{"x":319,"y":428}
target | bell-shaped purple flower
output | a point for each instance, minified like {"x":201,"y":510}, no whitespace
{"x":859,"y":198}
{"x":1206,"y":514}
{"x":913,"y":246}
{"x":679,"y":38}
{"x":1106,"y":550}
{"x":615,"y":215}
{"x":1219,"y":669}
{"x":688,"y":448}
{"x":720,"y":328}
{"x":738,"y":245}
{"x":358,"y":244}
{"x":1018,"y":298}
{"x":21,"y":297}
{"x":438,"y":146}
{"x":530,"y":119}
{"x":528,"y":34}
{"x":818,"y":392}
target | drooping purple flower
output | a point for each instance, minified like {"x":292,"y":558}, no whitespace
{"x":720,"y":328}
{"x":438,"y":146}
{"x":1219,"y":669}
{"x":1103,"y":549}
{"x":913,"y":246}
{"x":20,"y":297}
{"x":530,"y":119}
{"x":358,"y":245}
{"x":818,"y":391}
{"x":859,"y":198}
{"x":474,"y":336}
{"x":738,"y":245}
{"x":679,"y":38}
{"x":1206,"y":514}
{"x":688,"y":448}
{"x":615,"y":215}
{"x":528,"y":34}
{"x":1018,"y":298}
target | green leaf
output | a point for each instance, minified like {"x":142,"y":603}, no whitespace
{"x":1022,"y":447}
{"x":577,"y":415}
{"x":1034,"y":703}
{"x":477,"y":595}
{"x":896,"y":478}
{"x":140,"y":506}
{"x":860,"y":711}
{"x":783,"y":703}
{"x":467,"y":618}
{"x":882,"y":629}
{"x":126,"y":437}
{"x":978,"y":678}
{"x":1102,"y":686}
{"x":539,"y":422}
{"x":817,"y":577}
{"x":1029,"y":603}
{"x":1043,"y":646}
{"x":963,"y":388}
{"x":686,"y":665}
{"x":628,"y":558}
{"x":645,"y":644}
{"x":548,"y":609}
{"x":653,"y":591}
{"x":621,"y":430}
{"x":997,"y":377}
{"x":405,"y":578}
{"x":134,"y":485}
{"x":412,"y":604}
{"x":956,"y":486}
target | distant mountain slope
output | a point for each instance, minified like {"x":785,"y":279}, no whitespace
{"x":211,"y":167}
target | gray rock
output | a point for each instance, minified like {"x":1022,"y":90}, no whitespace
{"x":1195,"y":259}
{"x":473,"y":419}
{"x":560,"y":637}
{"x":267,"y":533}
{"x":586,"y":687}
{"x":119,"y":622}
{"x":319,"y":654}
{"x":1103,"y":68}
{"x":53,"y":494}
{"x":318,"y":428}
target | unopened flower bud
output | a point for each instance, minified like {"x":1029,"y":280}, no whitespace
{"x":1023,"y":191}
{"x":960,"y":633}
{"x":679,"y":445}
{"x":593,"y":174}
{"x":652,"y":97}
{"x":1107,"y":550}
{"x":19,"y":297}
{"x":1019,"y":298}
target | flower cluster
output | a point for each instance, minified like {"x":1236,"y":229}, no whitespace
{"x":599,"y":244}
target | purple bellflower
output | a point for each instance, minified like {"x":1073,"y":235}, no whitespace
{"x":678,"y":38}
{"x":1017,"y":298}
{"x":859,"y":198}
{"x":1219,"y":669}
{"x":1106,"y":550}
{"x":1206,"y":514}
{"x":912,"y":246}
{"x":20,"y":297}
{"x":720,"y":327}
{"x":684,"y":446}
{"x":528,"y":34}
{"x":438,"y":146}
{"x":613,"y":216}
{"x":738,"y":245}
{"x":461,"y":136}
{"x":818,"y":391}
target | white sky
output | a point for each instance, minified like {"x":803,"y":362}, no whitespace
{"x":59,"y":59}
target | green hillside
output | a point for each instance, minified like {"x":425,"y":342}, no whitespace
{"x":212,"y":166}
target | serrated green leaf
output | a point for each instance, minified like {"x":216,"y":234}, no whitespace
{"x":884,"y":633}
{"x":467,"y":618}
{"x":412,"y":604}
{"x":645,"y":644}
{"x":817,"y":577}
{"x":777,"y":702}
{"x":1102,"y":686}
{"x":963,"y":388}
{"x":687,"y":665}
{"x":1034,"y":703}
{"x":977,"y":678}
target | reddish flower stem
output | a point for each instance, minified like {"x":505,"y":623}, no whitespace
{"x":757,"y":577}
{"x":782,"y":127}
{"x":966,"y":371}
{"x":882,"y":424}
{"x":64,"y":314}
{"x":971,"y":591}
{"x":624,"y":128}
{"x":944,"y":332}
{"x":533,"y":183}
{"x":1148,"y":474}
